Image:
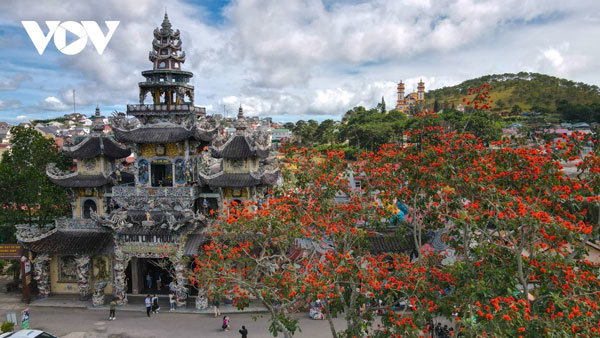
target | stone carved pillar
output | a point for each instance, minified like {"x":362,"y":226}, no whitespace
{"x":83,"y":276}
{"x":181,"y":292}
{"x":120,"y":284}
{"x":41,"y":273}
{"x":98,"y":296}
{"x":201,"y":300}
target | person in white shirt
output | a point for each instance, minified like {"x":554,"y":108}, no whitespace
{"x":148,"y":302}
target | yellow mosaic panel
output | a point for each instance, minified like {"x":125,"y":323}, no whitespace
{"x":153,"y":149}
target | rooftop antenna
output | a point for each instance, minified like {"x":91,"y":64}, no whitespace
{"x":73,"y":101}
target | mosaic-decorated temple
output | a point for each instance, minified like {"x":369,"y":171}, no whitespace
{"x":133,"y":224}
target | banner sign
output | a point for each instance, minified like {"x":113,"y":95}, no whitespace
{"x":10,"y":251}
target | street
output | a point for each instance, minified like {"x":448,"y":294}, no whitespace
{"x":62,"y":321}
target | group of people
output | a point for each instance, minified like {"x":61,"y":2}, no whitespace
{"x":151,"y":304}
{"x":154,"y":279}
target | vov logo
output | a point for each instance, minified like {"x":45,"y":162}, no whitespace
{"x":59,"y":30}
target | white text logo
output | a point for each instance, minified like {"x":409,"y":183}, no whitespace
{"x":59,"y":30}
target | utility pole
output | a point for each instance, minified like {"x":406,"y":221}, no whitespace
{"x":73,"y":101}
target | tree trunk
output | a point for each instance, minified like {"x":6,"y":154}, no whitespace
{"x":330,"y":320}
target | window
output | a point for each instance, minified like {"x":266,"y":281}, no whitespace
{"x":357,"y":184}
{"x":162,"y":64}
{"x":162,"y":173}
{"x":88,"y":207}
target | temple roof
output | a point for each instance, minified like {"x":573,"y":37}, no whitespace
{"x":379,"y":244}
{"x":193,"y":243}
{"x":204,"y":135}
{"x":71,"y":242}
{"x":239,"y":147}
{"x":153,"y":134}
{"x":233,"y":180}
{"x":270,"y":178}
{"x":79,"y":181}
{"x":93,"y":146}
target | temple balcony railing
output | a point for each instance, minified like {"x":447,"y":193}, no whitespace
{"x":137,"y":191}
{"x":154,"y":109}
{"x":141,"y":197}
{"x":76,"y":223}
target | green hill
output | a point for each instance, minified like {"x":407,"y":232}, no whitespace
{"x":526,"y":90}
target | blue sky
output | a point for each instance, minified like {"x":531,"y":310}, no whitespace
{"x":294,"y":59}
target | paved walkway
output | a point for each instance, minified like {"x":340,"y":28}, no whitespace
{"x":136,"y":306}
{"x":89,"y":323}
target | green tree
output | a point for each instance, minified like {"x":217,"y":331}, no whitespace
{"x":381,"y":106}
{"x":326,"y":132}
{"x":516,"y":110}
{"x":36,"y":200}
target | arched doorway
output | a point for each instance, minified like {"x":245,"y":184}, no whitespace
{"x":88,"y":207}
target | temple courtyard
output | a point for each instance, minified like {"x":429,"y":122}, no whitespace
{"x":84,"y":322}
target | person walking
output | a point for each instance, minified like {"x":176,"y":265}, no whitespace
{"x":158,"y":283}
{"x":244,"y":332}
{"x":148,"y":281}
{"x":148,"y":302}
{"x":113,"y":307}
{"x":155,"y":306}
{"x":172,"y":301}
{"x":225,"y":325}
{"x":216,"y":308}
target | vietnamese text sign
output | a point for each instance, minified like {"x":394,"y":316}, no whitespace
{"x":10,"y":251}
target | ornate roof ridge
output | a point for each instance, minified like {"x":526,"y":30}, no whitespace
{"x":53,"y":172}
{"x":73,"y":148}
{"x":253,"y":145}
{"x":31,"y":234}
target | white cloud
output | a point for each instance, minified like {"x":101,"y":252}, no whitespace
{"x":560,"y":61}
{"x":9,"y":104}
{"x":52,"y":103}
{"x":301,"y":57}
{"x":14,"y":82}
{"x":22,"y":117}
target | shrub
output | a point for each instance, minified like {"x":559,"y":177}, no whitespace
{"x":7,"y":327}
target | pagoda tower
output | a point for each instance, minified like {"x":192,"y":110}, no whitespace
{"x":244,"y":169}
{"x":400,"y":104}
{"x":96,"y":169}
{"x":157,"y":214}
{"x":166,"y":82}
{"x":421,"y":91}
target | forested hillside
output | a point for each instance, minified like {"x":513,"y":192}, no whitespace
{"x":529,"y":91}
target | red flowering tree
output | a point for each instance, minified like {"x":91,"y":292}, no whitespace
{"x":512,"y":261}
{"x":517,"y":223}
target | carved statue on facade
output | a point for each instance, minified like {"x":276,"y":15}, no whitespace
{"x":119,"y":120}
{"x":115,"y":220}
